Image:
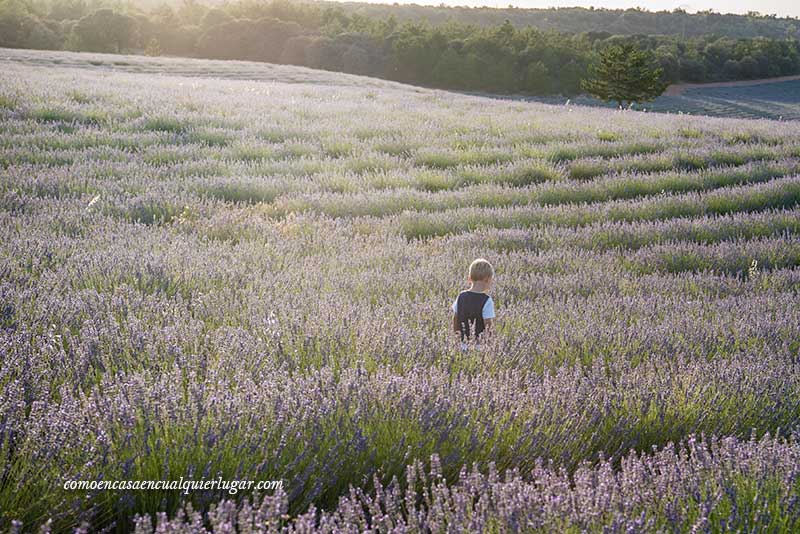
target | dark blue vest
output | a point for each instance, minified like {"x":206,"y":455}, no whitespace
{"x":469,"y":312}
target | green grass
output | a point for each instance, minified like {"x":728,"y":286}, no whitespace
{"x":395,"y":148}
{"x":604,"y":150}
{"x":65,"y":115}
{"x":251,"y":153}
{"x":338,"y":149}
{"x":447,"y":159}
{"x":209,"y":137}
{"x":8,"y":102}
{"x":240,"y":192}
{"x":434,"y":181}
{"x":166,"y":124}
{"x":517,"y":174}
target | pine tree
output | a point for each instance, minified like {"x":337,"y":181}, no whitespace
{"x":624,"y":73}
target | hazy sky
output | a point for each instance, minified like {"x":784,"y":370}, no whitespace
{"x":783,"y":8}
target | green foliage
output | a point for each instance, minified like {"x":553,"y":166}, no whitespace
{"x":164,"y":124}
{"x":106,"y":30}
{"x":585,"y":170}
{"x":624,"y":73}
{"x":434,"y":181}
{"x":20,"y":28}
{"x":255,"y":40}
{"x":7,"y":102}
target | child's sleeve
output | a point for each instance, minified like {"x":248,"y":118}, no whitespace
{"x":488,"y":309}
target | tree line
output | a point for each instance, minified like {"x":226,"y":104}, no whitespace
{"x":580,"y":19}
{"x":498,"y":58}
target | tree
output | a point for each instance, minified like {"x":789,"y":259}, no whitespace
{"x":272,"y":36}
{"x":624,"y":73}
{"x":215,"y":17}
{"x":27,"y":31}
{"x":452,"y":71}
{"x":356,"y":60}
{"x":105,"y":30}
{"x":259,"y":40}
{"x":294,"y":51}
{"x":537,"y":79}
{"x":324,"y":53}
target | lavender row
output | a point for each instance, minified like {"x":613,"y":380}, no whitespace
{"x":224,"y":415}
{"x":777,"y":193}
{"x":608,"y":189}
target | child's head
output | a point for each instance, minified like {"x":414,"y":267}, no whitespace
{"x":480,"y":270}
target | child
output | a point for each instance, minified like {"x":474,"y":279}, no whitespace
{"x":473,"y":309}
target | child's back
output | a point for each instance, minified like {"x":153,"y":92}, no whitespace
{"x":473,"y":309}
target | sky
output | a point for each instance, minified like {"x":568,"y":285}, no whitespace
{"x":782,"y":8}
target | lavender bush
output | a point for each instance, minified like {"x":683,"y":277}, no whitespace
{"x":210,"y":277}
{"x":694,"y":488}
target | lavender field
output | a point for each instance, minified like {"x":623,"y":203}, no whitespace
{"x":246,"y":272}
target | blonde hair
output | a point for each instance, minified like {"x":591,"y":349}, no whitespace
{"x":480,"y":269}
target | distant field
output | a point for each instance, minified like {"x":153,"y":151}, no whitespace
{"x":774,"y":100}
{"x":237,"y":270}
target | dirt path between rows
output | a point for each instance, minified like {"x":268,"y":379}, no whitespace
{"x":678,"y":88}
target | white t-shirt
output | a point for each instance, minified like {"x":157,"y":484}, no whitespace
{"x":486,"y":313}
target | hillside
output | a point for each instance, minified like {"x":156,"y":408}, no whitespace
{"x":243,"y":272}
